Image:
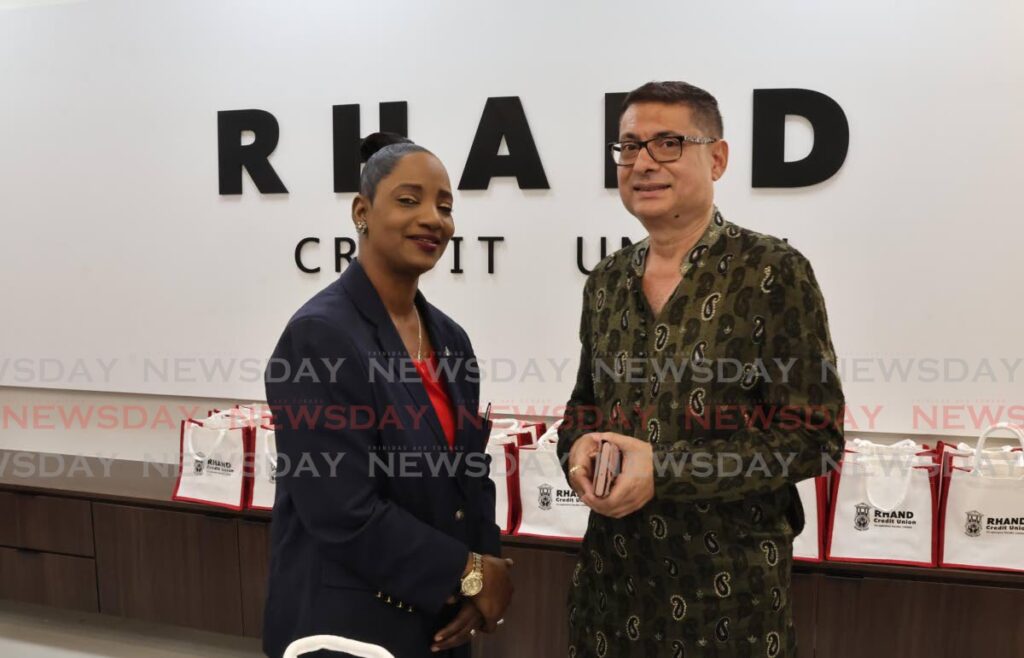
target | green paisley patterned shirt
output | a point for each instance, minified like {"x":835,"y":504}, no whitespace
{"x":734,"y":384}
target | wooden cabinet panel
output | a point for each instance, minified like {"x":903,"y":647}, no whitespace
{"x":871,"y":617}
{"x":46,"y":523}
{"x":537,"y":624}
{"x":174,"y":567}
{"x":803,"y":594}
{"x":62,"y":581}
{"x":8,"y":519}
{"x":191,"y":566}
{"x":254,"y":552}
{"x":537,"y":620}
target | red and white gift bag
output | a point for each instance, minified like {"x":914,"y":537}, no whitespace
{"x":884,"y":505}
{"x":550,"y":508}
{"x":264,"y":468}
{"x":533,"y":429}
{"x":963,"y":454}
{"x":809,"y":545}
{"x":982,"y":513}
{"x":503,"y":449}
{"x":212,"y":464}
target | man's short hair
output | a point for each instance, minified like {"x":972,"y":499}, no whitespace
{"x":702,"y":104}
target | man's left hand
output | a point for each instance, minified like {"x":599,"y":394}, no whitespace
{"x":634,"y":486}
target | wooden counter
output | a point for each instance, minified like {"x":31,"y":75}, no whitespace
{"x":104,"y":536}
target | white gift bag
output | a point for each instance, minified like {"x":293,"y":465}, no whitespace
{"x":983,"y":507}
{"x":809,"y":545}
{"x":533,"y":429}
{"x":212,"y":463}
{"x":502,"y":447}
{"x":232,"y":418}
{"x":521,"y":432}
{"x":963,"y":454}
{"x":549,"y":507}
{"x":264,"y":468}
{"x":884,"y":505}
{"x":258,"y":410}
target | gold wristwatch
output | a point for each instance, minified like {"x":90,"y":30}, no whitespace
{"x":473,"y":582}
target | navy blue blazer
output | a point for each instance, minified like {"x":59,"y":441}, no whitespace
{"x":374,"y":515}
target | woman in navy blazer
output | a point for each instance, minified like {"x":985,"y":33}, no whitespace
{"x":384,"y":514}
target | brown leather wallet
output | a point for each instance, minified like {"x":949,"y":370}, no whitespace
{"x":609,"y":462}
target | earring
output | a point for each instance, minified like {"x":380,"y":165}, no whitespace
{"x":361,"y":228}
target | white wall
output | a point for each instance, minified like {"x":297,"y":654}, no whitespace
{"x":116,"y":239}
{"x":97,"y":424}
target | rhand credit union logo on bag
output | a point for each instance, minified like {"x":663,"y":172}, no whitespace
{"x":219,"y":467}
{"x":1005,"y":525}
{"x":864,"y":518}
{"x":551,"y":497}
{"x":973,"y":527}
{"x":544,"y":500}
{"x":993,"y":525}
{"x":197,"y":468}
{"x":861,"y":521}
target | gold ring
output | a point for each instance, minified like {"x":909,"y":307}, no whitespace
{"x":573,"y":469}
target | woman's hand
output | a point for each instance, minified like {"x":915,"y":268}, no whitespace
{"x":493,"y":599}
{"x":459,"y":630}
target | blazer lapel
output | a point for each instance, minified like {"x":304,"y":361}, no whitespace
{"x":395,"y":357}
{"x":451,"y":361}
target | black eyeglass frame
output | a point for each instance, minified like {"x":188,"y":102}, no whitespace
{"x":616,"y":147}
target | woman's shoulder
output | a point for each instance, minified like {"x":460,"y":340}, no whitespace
{"x":328,"y":315}
{"x":329,"y":304}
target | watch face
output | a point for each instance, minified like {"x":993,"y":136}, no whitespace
{"x":472,"y":585}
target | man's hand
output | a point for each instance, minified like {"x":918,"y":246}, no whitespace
{"x":581,"y":464}
{"x":493,"y":599}
{"x":459,"y":630}
{"x":634,"y":486}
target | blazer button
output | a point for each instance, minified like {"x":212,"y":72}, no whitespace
{"x":459,"y":515}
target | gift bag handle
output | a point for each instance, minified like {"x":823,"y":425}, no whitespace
{"x":907,"y":478}
{"x":991,"y":429}
{"x":504,"y":425}
{"x":504,"y":430}
{"x":869,"y":447}
{"x":221,"y":434}
{"x":335,"y":643}
{"x":271,"y":457}
{"x":230,"y":416}
{"x":551,"y":436}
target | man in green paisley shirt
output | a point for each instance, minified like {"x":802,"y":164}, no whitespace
{"x":706,"y":357}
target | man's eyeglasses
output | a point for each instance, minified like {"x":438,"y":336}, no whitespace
{"x":665,"y":148}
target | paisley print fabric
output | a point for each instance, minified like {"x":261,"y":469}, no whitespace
{"x":734,"y":384}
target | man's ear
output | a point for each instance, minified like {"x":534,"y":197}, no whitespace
{"x":719,"y":159}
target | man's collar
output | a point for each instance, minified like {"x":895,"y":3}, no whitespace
{"x":693,"y":257}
